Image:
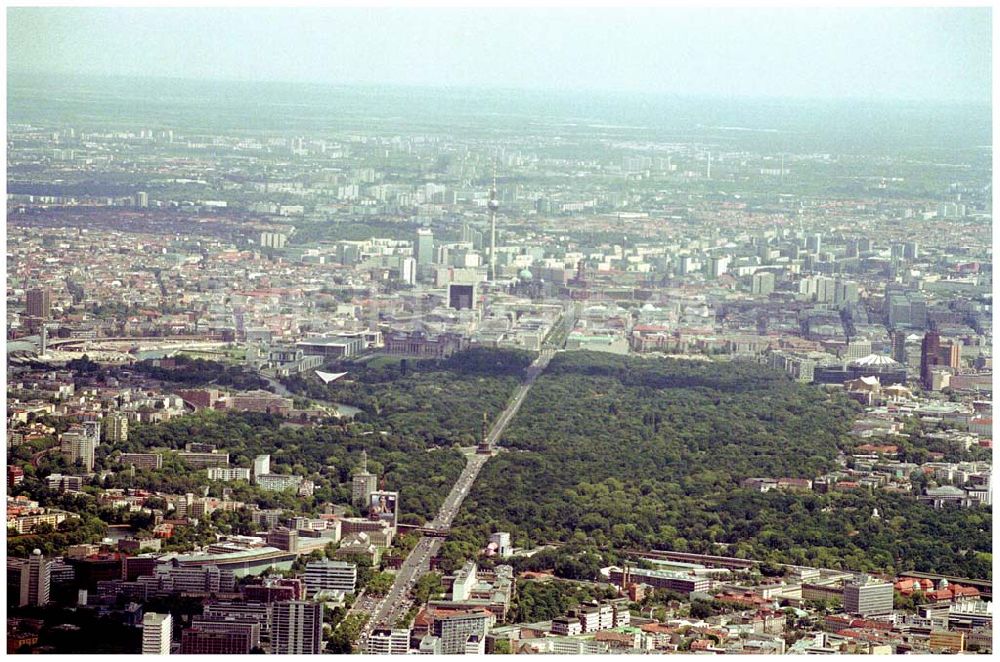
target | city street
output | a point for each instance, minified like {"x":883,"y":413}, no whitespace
{"x":397,"y":602}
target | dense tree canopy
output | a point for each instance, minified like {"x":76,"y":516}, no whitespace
{"x":437,"y":401}
{"x":617,"y":453}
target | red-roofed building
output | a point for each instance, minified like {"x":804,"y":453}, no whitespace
{"x":745,"y":599}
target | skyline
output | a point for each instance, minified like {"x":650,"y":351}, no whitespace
{"x":933,"y":55}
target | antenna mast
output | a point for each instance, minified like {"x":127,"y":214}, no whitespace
{"x":493,"y":205}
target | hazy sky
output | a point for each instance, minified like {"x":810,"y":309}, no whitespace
{"x":897,"y":53}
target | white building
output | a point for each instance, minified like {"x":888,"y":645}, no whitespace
{"x":868,"y":596}
{"x":277,"y":482}
{"x":227,"y":474}
{"x":465,"y":579}
{"x":297,"y":627}
{"x":157,"y":633}
{"x":388,"y":642}
{"x":261,"y":465}
{"x":36,"y":580}
{"x":329,"y":575}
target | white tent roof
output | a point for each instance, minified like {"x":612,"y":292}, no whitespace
{"x":328,"y":377}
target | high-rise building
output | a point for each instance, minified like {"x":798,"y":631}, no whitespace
{"x":814,"y":243}
{"x":157,"y":633}
{"x":39,"y":302}
{"x":845,"y":291}
{"x":718,"y":266}
{"x":78,"y":447}
{"x":363,"y":483}
{"x":261,"y":466}
{"x":461,"y":296}
{"x":424,"y":248}
{"x":494,"y":205}
{"x":142,"y":199}
{"x":326,"y":575}
{"x":868,"y":597}
{"x":911,"y":250}
{"x":296,"y":628}
{"x":762,"y":283}
{"x":899,"y":347}
{"x":455,"y":628}
{"x":36,"y":580}
{"x":116,"y":429}
{"x":408,"y":270}
{"x":934,"y":352}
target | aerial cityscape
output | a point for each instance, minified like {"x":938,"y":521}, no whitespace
{"x":398,"y":364}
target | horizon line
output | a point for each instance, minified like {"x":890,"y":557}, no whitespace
{"x":443,"y":86}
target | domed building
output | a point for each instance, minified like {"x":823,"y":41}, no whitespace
{"x":883,"y":366}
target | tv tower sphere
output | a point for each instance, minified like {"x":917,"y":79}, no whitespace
{"x":493,"y":203}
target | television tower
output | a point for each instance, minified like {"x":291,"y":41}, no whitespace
{"x":493,"y":205}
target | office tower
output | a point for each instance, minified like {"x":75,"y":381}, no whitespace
{"x":814,"y":243}
{"x":493,"y":205}
{"x":899,"y":347}
{"x":461,"y":296}
{"x":845,"y":291}
{"x":454,"y":629}
{"x":297,"y":627}
{"x":261,"y":466}
{"x":142,"y":199}
{"x":929,"y":350}
{"x":718,"y":266}
{"x":864,"y":245}
{"x":363,"y":483}
{"x":329,"y":575}
{"x":950,"y":354}
{"x":39,"y":302}
{"x":424,"y":252}
{"x":911,"y":250}
{"x":762,"y":283}
{"x":852,"y":248}
{"x":918,"y":311}
{"x":408,"y":270}
{"x":868,"y":597}
{"x":78,"y":447}
{"x":896,"y":250}
{"x":36,"y":580}
{"x":157,"y":633}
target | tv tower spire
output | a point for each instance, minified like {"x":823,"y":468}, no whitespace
{"x":493,"y":205}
